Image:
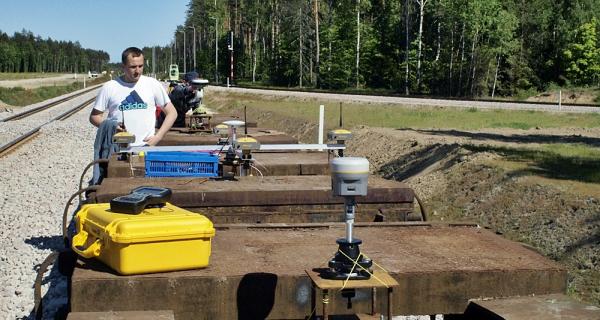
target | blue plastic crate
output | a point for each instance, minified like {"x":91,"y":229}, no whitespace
{"x":181,"y":164}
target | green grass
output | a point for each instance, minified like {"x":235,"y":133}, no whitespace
{"x":23,"y":97}
{"x":394,"y":116}
{"x":27,"y":75}
{"x":578,"y":150}
{"x":558,"y":157}
{"x":563,"y":161}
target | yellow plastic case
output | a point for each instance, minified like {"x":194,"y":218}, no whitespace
{"x":156,"y":240}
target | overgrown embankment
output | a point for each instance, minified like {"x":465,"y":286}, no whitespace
{"x":539,"y":186}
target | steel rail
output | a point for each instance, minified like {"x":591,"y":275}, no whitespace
{"x":13,"y":144}
{"x":70,"y":112}
{"x":37,"y":109}
{"x":22,"y":139}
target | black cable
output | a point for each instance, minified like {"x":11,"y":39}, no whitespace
{"x":37,"y":286}
{"x":85,"y":171}
{"x":245,"y":122}
{"x":65,"y":223}
{"x":220,"y":150}
{"x":51,"y":258}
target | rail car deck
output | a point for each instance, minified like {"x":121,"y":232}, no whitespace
{"x":181,"y":137}
{"x":272,"y":199}
{"x":270,"y":164}
{"x":547,"y":307}
{"x":258,"y":271}
{"x":217,"y":118}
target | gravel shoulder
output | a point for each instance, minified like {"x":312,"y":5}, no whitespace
{"x":37,"y":180}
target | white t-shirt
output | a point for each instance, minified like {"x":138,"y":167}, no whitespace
{"x":134,"y":104}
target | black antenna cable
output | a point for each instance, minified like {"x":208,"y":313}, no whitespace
{"x":341,"y":117}
{"x":245,"y":122}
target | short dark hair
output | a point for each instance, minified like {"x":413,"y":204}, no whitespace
{"x":133,"y":51}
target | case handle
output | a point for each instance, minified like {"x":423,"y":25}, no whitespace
{"x":90,"y":252}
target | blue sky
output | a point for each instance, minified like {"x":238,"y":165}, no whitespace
{"x":108,"y":25}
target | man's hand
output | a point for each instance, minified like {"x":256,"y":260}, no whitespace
{"x":153,"y":140}
{"x":170,"y":116}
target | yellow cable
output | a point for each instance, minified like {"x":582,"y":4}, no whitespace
{"x":365,"y":269}
{"x":312,"y":312}
{"x":131,"y":166}
{"x":350,"y":273}
{"x":380,"y":267}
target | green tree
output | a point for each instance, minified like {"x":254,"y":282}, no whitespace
{"x":582,"y":56}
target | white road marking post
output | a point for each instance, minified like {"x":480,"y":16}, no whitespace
{"x":321,"y":120}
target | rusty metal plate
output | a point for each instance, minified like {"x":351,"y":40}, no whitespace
{"x":122,"y":315}
{"x":259,"y":191}
{"x":272,"y":198}
{"x":260,"y":270}
{"x":269,"y":163}
{"x":264,"y":136}
{"x":547,"y":307}
{"x":308,"y":213}
{"x":217,"y":119}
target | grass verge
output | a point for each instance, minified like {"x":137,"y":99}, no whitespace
{"x":576,"y":162}
{"x":394,"y":116}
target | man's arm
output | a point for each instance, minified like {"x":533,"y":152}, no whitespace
{"x":100,"y":106}
{"x":170,"y":116}
{"x":96,"y":117}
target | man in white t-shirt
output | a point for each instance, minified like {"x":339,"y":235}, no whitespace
{"x":132,"y":99}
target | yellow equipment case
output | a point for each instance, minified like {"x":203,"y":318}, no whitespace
{"x":156,"y":240}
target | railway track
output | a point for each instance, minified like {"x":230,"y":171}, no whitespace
{"x":47,"y":106}
{"x":29,"y":135}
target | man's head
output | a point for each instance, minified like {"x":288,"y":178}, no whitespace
{"x":133,"y":64}
{"x":188,"y":78}
{"x":192,"y":75}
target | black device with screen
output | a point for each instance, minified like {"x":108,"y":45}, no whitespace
{"x":139,"y":199}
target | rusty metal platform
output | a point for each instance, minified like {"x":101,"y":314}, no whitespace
{"x":123,"y":315}
{"x":258,"y":271}
{"x":270,"y":164}
{"x":272,"y":199}
{"x":218,"y":118}
{"x":547,"y":307}
{"x":262,"y":135}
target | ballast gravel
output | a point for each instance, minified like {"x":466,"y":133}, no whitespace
{"x":37,"y":179}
